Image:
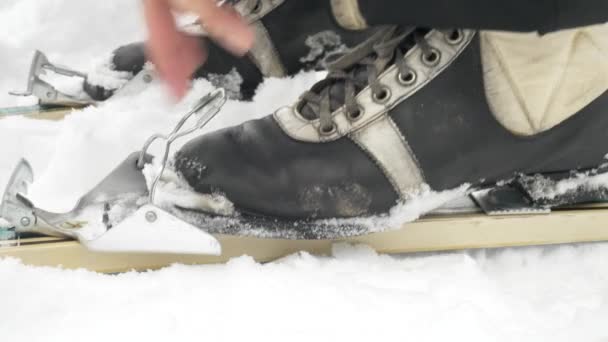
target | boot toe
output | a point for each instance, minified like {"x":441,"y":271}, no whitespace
{"x":130,"y":58}
{"x":266,"y":173}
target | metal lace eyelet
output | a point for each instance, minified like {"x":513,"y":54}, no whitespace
{"x":382,"y":96}
{"x":354,"y":116}
{"x":408,"y":79}
{"x":327,"y":130}
{"x":257,"y":8}
{"x":432,"y":58}
{"x":454,"y":37}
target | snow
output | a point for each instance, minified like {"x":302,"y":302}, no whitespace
{"x":231,"y":82}
{"x":555,"y":293}
{"x":105,"y":76}
{"x":544,"y":188}
{"x":173,"y":190}
{"x":533,"y":294}
{"x":421,"y":202}
{"x":87,"y":29}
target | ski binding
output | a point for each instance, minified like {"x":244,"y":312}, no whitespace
{"x":46,"y":93}
{"x":49,"y":96}
{"x":95,"y":221}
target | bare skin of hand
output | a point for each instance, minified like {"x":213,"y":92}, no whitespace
{"x":176,"y":55}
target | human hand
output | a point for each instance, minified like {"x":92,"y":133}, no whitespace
{"x":176,"y":55}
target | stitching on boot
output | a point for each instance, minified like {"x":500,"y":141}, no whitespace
{"x":533,"y":83}
{"x":382,"y":140}
{"x":378,"y":164}
{"x":407,"y":147}
{"x":582,"y":35}
{"x":554,"y":90}
{"x":505,"y":70}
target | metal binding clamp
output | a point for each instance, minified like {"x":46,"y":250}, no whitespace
{"x":210,"y":104}
{"x":46,"y":93}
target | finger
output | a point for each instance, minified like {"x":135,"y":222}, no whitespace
{"x":223,"y":24}
{"x":174,"y":55}
{"x":187,"y":57}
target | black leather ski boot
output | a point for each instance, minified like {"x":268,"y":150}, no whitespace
{"x":129,"y":58}
{"x":291,"y":36}
{"x":404,"y":111}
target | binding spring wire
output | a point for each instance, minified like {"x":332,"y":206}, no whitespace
{"x":209,"y":105}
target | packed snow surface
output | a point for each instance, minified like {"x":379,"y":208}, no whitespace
{"x":528,"y":294}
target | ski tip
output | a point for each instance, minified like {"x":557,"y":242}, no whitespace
{"x":153,"y":230}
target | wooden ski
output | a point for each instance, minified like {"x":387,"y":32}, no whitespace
{"x":434,"y":233}
{"x":37,"y":112}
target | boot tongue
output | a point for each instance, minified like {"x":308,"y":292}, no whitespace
{"x":347,"y":63}
{"x":336,"y":94}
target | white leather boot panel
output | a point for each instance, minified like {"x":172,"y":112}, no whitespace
{"x":535,"y":82}
{"x":385,"y":144}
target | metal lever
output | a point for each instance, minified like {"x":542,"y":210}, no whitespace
{"x":210,"y":104}
{"x":45,"y":91}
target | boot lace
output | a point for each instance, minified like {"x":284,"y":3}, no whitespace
{"x":360,"y":67}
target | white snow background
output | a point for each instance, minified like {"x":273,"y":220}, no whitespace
{"x":528,"y":294}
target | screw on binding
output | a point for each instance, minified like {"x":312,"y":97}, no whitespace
{"x":25,"y":221}
{"x":151,"y":216}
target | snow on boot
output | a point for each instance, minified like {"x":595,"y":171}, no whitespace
{"x":403,"y":112}
{"x":290,"y":36}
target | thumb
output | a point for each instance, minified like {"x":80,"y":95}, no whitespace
{"x":175,"y":55}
